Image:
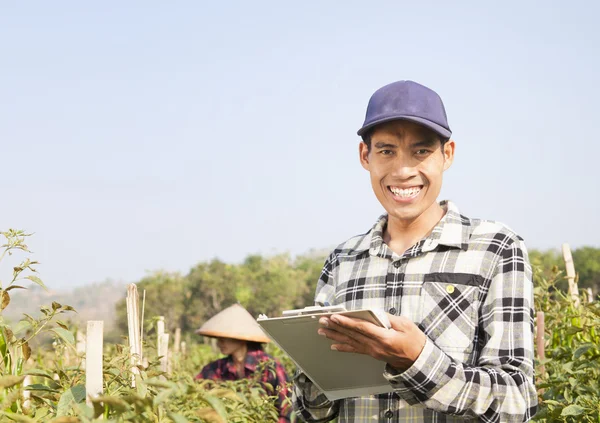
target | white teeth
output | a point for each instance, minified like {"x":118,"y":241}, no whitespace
{"x":405,"y":193}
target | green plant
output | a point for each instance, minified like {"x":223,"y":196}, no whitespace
{"x":15,"y":340}
{"x":569,"y":386}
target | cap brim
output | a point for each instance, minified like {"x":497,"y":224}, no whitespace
{"x":438,"y":129}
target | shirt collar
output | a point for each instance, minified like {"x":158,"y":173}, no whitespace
{"x":453,"y":230}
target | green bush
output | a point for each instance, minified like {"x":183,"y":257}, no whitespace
{"x":568,"y":380}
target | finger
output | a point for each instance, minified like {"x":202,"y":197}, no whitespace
{"x":348,"y":332}
{"x":360,"y":326}
{"x":337,"y":337}
{"x":401,"y":323}
{"x":346,"y":348}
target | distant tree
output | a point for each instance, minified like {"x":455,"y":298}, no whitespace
{"x":587,"y":266}
{"x":209,"y":288}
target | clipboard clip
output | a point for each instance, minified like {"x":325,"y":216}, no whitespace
{"x":313,"y":310}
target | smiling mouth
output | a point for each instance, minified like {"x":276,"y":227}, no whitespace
{"x":405,"y":193}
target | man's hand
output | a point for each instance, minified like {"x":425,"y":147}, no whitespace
{"x":399,"y":347}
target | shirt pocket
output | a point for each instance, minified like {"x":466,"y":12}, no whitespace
{"x":449,"y":304}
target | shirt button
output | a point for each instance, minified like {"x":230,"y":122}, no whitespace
{"x":393,"y":310}
{"x":397,"y":264}
{"x":450,"y":289}
{"x":389,"y":414}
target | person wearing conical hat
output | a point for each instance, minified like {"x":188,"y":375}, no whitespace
{"x":240,"y":338}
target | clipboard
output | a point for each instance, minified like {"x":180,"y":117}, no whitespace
{"x":336,"y":374}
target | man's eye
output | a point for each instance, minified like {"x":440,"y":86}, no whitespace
{"x":422,"y":152}
{"x":386,"y":152}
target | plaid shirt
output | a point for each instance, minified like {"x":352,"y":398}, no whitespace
{"x":275,"y":375}
{"x":468,"y":287}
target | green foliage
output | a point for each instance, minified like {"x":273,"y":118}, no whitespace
{"x":260,"y":284}
{"x":569,"y":381}
{"x":15,"y":340}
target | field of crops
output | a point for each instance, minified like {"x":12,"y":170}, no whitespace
{"x":48,"y":382}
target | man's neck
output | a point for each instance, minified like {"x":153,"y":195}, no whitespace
{"x":400,"y":234}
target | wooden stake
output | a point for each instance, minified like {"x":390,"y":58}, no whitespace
{"x":160,"y":327}
{"x":590,"y":295}
{"x":540,"y":342}
{"x":163,"y":350}
{"x":133,"y":320}
{"x":93,"y":359}
{"x":573,"y":291}
{"x":177,"y":340}
{"x":26,"y":393}
{"x":183,"y":348}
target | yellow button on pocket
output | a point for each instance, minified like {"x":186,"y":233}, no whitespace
{"x":450,"y":289}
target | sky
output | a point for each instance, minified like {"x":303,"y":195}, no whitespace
{"x":146,"y":135}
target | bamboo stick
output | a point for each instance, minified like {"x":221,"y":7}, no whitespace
{"x":540,"y":342}
{"x":573,"y":290}
{"x":142,"y":329}
{"x":93,"y":361}
{"x":133,"y":316}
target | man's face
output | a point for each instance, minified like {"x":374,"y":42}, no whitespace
{"x":406,"y":163}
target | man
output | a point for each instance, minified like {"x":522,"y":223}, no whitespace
{"x":458,"y":291}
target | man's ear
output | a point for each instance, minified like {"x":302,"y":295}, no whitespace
{"x":448,"y":152}
{"x":363,"y":152}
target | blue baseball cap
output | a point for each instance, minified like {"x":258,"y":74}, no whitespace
{"x":407,"y":100}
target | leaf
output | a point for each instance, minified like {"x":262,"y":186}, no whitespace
{"x":572,"y":410}
{"x":177,"y":418}
{"x":116,"y":403}
{"x":582,"y":350}
{"x":9,"y":334}
{"x":65,"y":335}
{"x":573,"y":330}
{"x":69,"y":398}
{"x":210,"y":415}
{"x":55,"y":306}
{"x":37,"y":372}
{"x":37,"y":281}
{"x":62,"y":324}
{"x":21,"y":326}
{"x":18,"y":417}
{"x":10,"y":380}
{"x":66,"y":419}
{"x":40,"y":387}
{"x":26,"y":351}
{"x":4,"y":300}
{"x":15,"y":287}
{"x":217,"y":405}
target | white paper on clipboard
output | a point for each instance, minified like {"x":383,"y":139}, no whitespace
{"x":337,"y":374}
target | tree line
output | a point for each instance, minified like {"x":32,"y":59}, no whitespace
{"x":272,"y":284}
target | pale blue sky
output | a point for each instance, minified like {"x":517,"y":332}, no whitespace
{"x":143,"y":135}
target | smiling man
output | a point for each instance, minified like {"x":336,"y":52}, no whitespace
{"x":458,"y":290}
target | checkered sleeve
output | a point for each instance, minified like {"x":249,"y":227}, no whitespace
{"x":499,"y":387}
{"x":308,"y":401}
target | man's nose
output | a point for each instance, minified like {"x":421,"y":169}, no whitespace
{"x":403,"y":168}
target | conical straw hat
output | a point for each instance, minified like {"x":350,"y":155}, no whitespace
{"x":233,"y":322}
